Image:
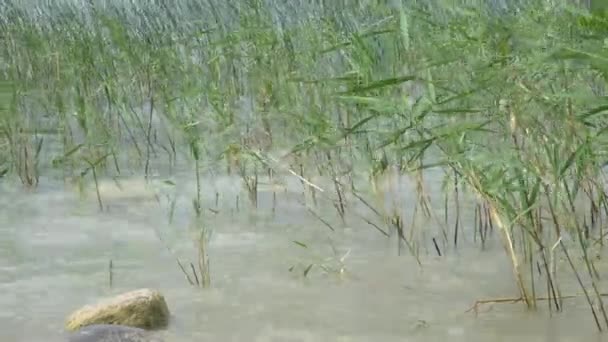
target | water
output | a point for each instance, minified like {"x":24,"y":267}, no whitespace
{"x":55,"y":250}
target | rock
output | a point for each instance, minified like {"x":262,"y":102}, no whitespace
{"x":143,"y":308}
{"x":112,"y":333}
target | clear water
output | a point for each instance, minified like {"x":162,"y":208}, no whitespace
{"x":55,"y":249}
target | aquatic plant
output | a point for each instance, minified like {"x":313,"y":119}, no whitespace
{"x":505,"y":101}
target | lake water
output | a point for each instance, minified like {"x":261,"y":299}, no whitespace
{"x":55,"y":249}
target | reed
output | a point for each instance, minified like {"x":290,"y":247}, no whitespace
{"x":507,"y":103}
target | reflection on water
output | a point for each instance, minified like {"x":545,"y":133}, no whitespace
{"x":55,"y":251}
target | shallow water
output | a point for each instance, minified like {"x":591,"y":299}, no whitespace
{"x":55,"y":251}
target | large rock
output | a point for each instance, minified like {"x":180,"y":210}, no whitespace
{"x":112,"y":333}
{"x":142,"y":308}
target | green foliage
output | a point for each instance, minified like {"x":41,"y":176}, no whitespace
{"x":510,"y":101}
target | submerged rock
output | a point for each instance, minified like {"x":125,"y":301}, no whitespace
{"x":112,"y":333}
{"x":142,"y":308}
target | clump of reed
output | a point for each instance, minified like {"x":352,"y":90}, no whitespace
{"x":506,"y":103}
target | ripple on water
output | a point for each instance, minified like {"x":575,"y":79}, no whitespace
{"x":54,"y":258}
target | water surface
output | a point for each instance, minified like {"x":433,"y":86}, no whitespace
{"x":56,"y":247}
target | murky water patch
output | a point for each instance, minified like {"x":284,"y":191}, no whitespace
{"x":223,"y":240}
{"x":55,"y":257}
